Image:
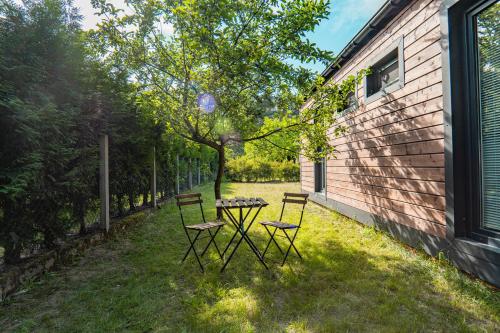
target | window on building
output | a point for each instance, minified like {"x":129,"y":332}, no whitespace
{"x":486,"y":46}
{"x":384,"y":73}
{"x":475,"y":77}
{"x":351,"y":100}
{"x":351,"y":103}
{"x":320,"y":176}
{"x":387,"y":72}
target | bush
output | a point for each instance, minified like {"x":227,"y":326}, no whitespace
{"x":290,"y":171}
{"x":247,"y":169}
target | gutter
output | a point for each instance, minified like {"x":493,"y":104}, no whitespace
{"x":389,"y":10}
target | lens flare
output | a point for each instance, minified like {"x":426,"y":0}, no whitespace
{"x":206,"y":102}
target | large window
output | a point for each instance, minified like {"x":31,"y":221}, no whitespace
{"x":485,"y":41}
{"x":475,"y":82}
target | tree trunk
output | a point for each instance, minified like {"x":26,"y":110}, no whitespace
{"x":119,"y":203}
{"x":11,"y":241}
{"x":131,"y":201}
{"x":79,"y":213}
{"x":218,"y":179}
{"x":13,"y":249}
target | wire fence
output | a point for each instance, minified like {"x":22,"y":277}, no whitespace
{"x":182,"y":174}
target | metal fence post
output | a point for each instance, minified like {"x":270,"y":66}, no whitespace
{"x":104,"y":181}
{"x":177,"y":176}
{"x":153,"y":180}
{"x":190,"y":174}
{"x":199,"y":173}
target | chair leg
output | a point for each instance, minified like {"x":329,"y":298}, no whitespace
{"x":212,"y":240}
{"x":271,"y":240}
{"x":217,"y":248}
{"x":194,"y":250}
{"x":291,"y":245}
{"x":191,"y":243}
{"x":292,"y":242}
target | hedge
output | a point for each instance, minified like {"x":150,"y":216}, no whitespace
{"x":253,"y":170}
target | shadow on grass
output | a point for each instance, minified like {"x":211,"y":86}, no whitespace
{"x":352,"y":278}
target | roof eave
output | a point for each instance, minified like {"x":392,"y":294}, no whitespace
{"x":378,"y":21}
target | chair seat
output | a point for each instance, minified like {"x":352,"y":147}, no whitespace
{"x":204,"y":226}
{"x":279,"y":225}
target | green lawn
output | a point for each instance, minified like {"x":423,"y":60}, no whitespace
{"x":352,"y":278}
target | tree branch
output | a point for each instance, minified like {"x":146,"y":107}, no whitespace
{"x":276,"y":130}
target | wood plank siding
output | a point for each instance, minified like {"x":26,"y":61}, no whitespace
{"x":390,"y":162}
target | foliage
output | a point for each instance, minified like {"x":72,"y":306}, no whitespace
{"x":41,"y":95}
{"x":239,"y":52}
{"x":57,"y":97}
{"x":352,"y":279}
{"x":246,"y":168}
{"x":281,"y":146}
{"x":322,"y":110}
{"x":487,"y":26}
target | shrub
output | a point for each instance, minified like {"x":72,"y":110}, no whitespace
{"x":247,"y":169}
{"x":290,"y":171}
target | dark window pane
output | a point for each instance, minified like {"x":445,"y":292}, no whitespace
{"x":384,"y":73}
{"x":320,"y":174}
{"x":351,"y":100}
{"x":350,"y":103}
{"x":389,"y":74}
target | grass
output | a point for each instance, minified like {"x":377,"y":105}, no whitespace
{"x":352,"y":278}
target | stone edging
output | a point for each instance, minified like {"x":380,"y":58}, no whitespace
{"x":15,"y":275}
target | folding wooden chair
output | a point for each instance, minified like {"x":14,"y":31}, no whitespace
{"x":193,"y":199}
{"x":283,"y":226}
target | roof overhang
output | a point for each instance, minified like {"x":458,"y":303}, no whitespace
{"x":379,"y":20}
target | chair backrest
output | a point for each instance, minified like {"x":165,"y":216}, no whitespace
{"x":187,"y":200}
{"x":294,"y":198}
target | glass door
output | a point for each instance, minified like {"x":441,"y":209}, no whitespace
{"x":485,"y":22}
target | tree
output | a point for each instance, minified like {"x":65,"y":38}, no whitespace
{"x":243,"y":53}
{"x":40,"y":98}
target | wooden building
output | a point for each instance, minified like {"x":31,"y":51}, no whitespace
{"x":421,"y":157}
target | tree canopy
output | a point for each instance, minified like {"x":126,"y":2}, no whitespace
{"x":58,"y":94}
{"x":243,"y":53}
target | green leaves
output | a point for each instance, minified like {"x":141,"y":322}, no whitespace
{"x":321,"y":112}
{"x":237,"y":51}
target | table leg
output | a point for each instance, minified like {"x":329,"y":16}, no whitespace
{"x":243,"y":231}
{"x":240,"y":229}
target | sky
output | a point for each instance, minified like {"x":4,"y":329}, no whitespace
{"x":346,"y":18}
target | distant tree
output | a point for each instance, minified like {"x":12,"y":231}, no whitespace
{"x":40,"y":66}
{"x":58,"y":95}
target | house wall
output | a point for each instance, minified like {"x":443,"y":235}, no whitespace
{"x":390,"y":163}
